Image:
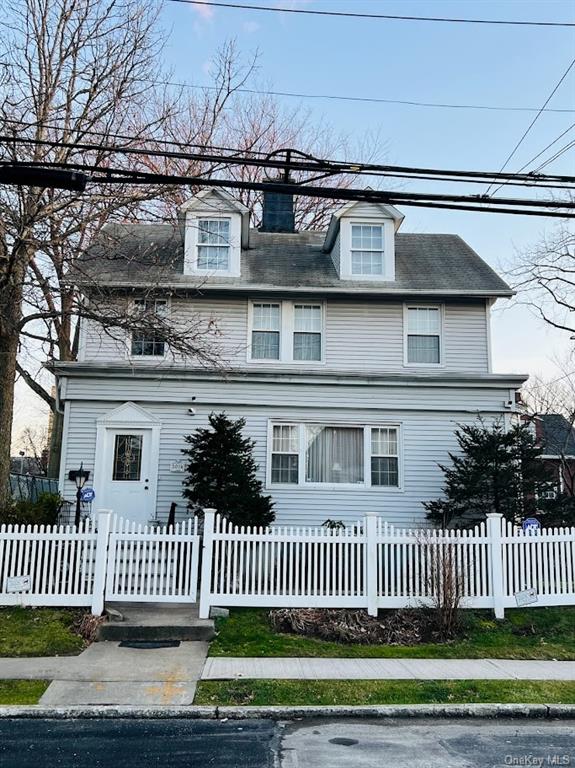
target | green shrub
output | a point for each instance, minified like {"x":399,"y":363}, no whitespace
{"x":43,"y":511}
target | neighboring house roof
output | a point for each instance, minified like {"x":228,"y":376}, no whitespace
{"x":138,"y":254}
{"x":557,"y":435}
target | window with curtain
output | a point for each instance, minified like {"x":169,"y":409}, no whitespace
{"x":334,"y":454}
{"x":149,"y":343}
{"x":367,"y":249}
{"x":214,"y":244}
{"x":359,"y":455}
{"x":307,"y":332}
{"x":266,"y":324}
{"x":424,"y":335}
{"x":285,"y":453}
{"x":384,"y":456}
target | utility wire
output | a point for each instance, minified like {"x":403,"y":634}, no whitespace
{"x":463,"y":202}
{"x":532,"y":123}
{"x":308,"y":163}
{"x":361,"y":99}
{"x":386,"y":16}
{"x":560,"y":152}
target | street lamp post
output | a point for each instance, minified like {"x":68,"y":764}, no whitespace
{"x":79,"y":477}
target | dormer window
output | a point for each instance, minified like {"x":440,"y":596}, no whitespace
{"x":216,"y":230}
{"x":214,"y":245}
{"x":367,"y":257}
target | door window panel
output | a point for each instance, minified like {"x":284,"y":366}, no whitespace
{"x":127,"y":457}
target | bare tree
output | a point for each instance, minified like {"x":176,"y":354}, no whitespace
{"x":545,"y":277}
{"x":73,"y":71}
{"x":556,"y":396}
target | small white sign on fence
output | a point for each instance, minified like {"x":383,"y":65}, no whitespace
{"x":18,"y":584}
{"x":525,"y":597}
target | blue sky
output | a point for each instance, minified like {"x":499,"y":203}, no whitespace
{"x":454,"y":63}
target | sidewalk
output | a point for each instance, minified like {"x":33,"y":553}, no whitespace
{"x":229,"y":668}
{"x":105,"y":673}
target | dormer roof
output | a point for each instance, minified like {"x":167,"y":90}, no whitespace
{"x":377,"y":210}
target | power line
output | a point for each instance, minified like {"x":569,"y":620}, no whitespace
{"x":361,"y":99}
{"x":532,"y":123}
{"x":385,"y":16}
{"x":560,"y":152}
{"x":455,"y":202}
{"x":298,"y":161}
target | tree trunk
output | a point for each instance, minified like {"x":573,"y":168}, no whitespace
{"x":55,"y":447}
{"x":12,"y":273}
{"x":10,"y":303}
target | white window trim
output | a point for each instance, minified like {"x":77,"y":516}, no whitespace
{"x":366,"y":485}
{"x":191,"y":243}
{"x":415,"y":305}
{"x":152,"y":358}
{"x":388,"y":249}
{"x":286,"y":332}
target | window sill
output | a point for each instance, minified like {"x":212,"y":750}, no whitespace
{"x":334,"y":487}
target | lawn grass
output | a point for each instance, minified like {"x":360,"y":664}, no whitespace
{"x":369,"y":692}
{"x":22,"y":691}
{"x":526,"y":633}
{"x":38,"y":632}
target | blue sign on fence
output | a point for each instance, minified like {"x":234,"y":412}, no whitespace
{"x":87,"y":494}
{"x":531,"y":524}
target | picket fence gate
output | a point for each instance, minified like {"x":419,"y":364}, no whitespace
{"x":369,"y":565}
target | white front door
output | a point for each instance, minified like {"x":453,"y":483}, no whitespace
{"x":129,"y":479}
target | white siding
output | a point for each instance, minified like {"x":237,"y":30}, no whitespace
{"x":359,"y":335}
{"x":427,"y":415}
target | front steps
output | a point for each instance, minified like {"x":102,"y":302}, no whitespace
{"x":155,"y":621}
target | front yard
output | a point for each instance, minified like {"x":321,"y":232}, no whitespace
{"x":539,"y":633}
{"x":39,"y":632}
{"x":542,"y":633}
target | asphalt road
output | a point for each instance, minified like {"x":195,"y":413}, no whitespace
{"x":177,"y":743}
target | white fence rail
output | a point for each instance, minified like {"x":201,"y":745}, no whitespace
{"x":375,"y":565}
{"x":370,"y":564}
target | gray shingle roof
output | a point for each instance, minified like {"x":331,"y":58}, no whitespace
{"x":136,"y":254}
{"x":558,"y":436}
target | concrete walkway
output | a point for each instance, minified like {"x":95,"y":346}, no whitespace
{"x":228,"y":668}
{"x":105,"y":673}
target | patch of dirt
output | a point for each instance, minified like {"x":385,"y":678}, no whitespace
{"x":401,"y":627}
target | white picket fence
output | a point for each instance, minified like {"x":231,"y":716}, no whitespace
{"x":368,"y":565}
{"x":375,"y":565}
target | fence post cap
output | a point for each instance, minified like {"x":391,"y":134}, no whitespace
{"x":371,"y":513}
{"x":494,"y":514}
{"x":208,"y":510}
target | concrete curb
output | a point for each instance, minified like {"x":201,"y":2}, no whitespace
{"x":493,"y":711}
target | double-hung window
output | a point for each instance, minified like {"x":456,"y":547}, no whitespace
{"x":307,"y":332}
{"x":285,"y":453}
{"x":149,"y":342}
{"x":384,"y":456}
{"x":367,"y":253}
{"x":286,"y":331}
{"x":423,"y":336}
{"x":266,"y":331}
{"x":329,"y":454}
{"x":214,"y":245}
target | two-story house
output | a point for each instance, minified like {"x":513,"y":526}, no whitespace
{"x":352,"y":353}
